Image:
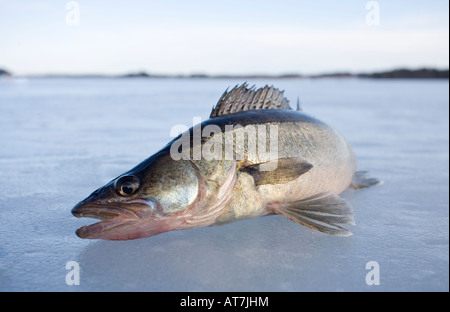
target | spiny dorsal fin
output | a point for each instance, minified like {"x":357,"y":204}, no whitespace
{"x":241,"y":98}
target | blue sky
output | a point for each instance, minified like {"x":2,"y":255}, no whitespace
{"x":214,"y":37}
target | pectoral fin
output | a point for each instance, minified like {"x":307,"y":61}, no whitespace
{"x":277,"y":171}
{"x":323,"y":212}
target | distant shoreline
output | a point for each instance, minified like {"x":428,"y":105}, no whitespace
{"x":403,"y":73}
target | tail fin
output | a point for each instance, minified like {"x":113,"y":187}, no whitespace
{"x":360,"y":180}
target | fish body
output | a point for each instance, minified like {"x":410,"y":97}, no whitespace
{"x":255,"y":156}
{"x":302,"y":140}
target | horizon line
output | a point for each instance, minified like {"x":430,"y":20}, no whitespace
{"x":398,"y":71}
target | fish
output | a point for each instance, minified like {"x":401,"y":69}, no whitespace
{"x":255,"y":156}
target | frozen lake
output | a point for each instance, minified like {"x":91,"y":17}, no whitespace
{"x":63,"y":138}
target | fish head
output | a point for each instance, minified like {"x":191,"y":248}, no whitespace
{"x":152,"y":198}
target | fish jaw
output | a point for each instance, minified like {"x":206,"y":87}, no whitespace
{"x":123,"y":221}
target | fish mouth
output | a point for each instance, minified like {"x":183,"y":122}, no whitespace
{"x":118,"y":221}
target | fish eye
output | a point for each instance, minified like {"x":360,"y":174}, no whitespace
{"x":127,"y":185}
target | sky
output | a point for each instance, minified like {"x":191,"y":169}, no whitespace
{"x":221,"y":37}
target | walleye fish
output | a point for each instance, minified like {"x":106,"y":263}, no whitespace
{"x":219,"y":171}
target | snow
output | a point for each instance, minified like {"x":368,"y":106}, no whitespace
{"x":63,"y":138}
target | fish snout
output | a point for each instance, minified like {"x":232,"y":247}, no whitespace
{"x":76,"y":210}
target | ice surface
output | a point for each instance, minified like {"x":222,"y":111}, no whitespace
{"x":63,"y":138}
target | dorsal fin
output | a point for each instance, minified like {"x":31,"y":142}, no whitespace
{"x":241,"y":98}
{"x":299,"y":109}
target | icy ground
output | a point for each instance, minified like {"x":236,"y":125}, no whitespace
{"x":60,"y":139}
